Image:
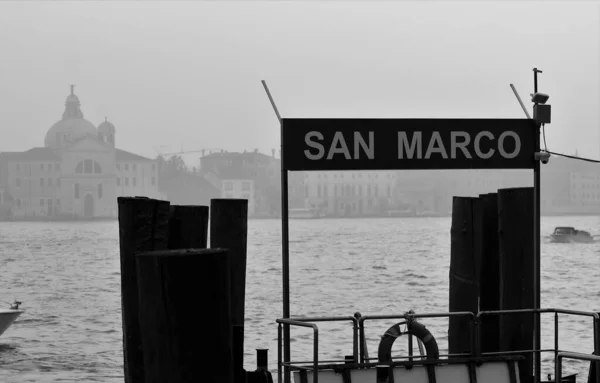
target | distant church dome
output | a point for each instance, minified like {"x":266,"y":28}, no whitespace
{"x":106,"y":127}
{"x":72,"y":126}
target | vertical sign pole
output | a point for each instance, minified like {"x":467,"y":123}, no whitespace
{"x":536,"y":246}
{"x":285,"y":257}
{"x":285,"y":242}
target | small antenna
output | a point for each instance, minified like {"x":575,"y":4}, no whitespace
{"x":520,"y":102}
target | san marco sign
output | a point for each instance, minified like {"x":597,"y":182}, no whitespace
{"x":312,"y":144}
{"x":386,"y":144}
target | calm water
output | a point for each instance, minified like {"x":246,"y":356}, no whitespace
{"x":67,"y":275}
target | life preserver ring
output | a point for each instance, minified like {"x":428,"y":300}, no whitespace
{"x":413,"y":327}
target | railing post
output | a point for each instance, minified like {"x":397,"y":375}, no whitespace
{"x":596,"y":347}
{"x":279,"y":374}
{"x":558,"y":368}
{"x":361,"y":331}
{"x":555,"y":335}
{"x":473,"y":334}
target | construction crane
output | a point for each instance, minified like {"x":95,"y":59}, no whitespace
{"x":182,"y":152}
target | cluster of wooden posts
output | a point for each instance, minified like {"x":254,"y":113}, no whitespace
{"x":491,"y":268}
{"x":182,"y":302}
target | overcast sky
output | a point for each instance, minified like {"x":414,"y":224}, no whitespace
{"x":187,"y":74}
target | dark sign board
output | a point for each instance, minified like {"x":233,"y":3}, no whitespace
{"x":386,"y":144}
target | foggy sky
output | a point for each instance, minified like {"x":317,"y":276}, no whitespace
{"x":188,"y":73}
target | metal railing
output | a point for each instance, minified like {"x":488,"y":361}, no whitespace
{"x":360,"y":353}
{"x":305,"y":322}
{"x":577,"y":356}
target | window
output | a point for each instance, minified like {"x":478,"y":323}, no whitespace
{"x":42,"y":167}
{"x":227,"y":185}
{"x":18,"y":167}
{"x":134,"y":180}
{"x":58,"y":181}
{"x":76,"y":191}
{"x":126,"y":167}
{"x":18,"y":203}
{"x":99,"y":191}
{"x":49,"y":181}
{"x":245,"y":185}
{"x":118,"y":182}
{"x":88,"y":167}
{"x":153,"y":181}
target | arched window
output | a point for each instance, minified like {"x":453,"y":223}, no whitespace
{"x":88,"y":167}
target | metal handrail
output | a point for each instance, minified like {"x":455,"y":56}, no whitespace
{"x":555,"y":311}
{"x":337,"y":319}
{"x":577,"y":356}
{"x":475,"y":334}
{"x":407,"y":316}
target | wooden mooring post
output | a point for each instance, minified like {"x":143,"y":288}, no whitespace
{"x":465,"y":262}
{"x":489,"y":285}
{"x":229,"y":228}
{"x":185,"y":316}
{"x":517,"y":289}
{"x":143,"y":226}
{"x":490,"y":269}
{"x":177,"y":303}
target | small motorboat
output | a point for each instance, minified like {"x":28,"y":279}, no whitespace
{"x":567,"y":234}
{"x":8,"y":316}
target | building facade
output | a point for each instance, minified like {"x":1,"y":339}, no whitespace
{"x":568,"y":186}
{"x":349,"y":193}
{"x":78,"y":172}
{"x":252,"y":175}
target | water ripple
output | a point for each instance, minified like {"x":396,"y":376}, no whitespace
{"x":68,"y":277}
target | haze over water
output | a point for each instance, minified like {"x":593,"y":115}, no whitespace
{"x":67,"y":275}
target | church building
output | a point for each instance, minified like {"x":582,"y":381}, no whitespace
{"x":78,"y":173}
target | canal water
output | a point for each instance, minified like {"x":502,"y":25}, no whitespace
{"x":67,"y":275}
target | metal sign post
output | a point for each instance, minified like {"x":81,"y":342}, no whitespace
{"x":285,"y":243}
{"x":536,"y":245}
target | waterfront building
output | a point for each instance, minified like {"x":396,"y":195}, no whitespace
{"x":79,"y":172}
{"x":349,"y":193}
{"x":252,"y":175}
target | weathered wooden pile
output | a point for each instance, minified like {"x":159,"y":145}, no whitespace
{"x":491,"y":268}
{"x":182,"y":302}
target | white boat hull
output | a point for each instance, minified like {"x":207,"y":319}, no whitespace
{"x":7,"y":317}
